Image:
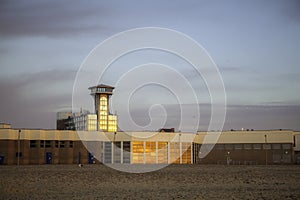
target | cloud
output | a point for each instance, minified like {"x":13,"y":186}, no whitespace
{"x":291,"y":9}
{"x":30,"y":100}
{"x":230,"y":69}
{"x":263,"y":117}
{"x":257,"y":117}
{"x":55,"y":18}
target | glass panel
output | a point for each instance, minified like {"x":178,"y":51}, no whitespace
{"x":150,"y":152}
{"x":117,"y":152}
{"x":107,"y":152}
{"x":162,"y":152}
{"x":174,"y":152}
{"x":186,"y":153}
{"x":126,"y":152}
{"x":138,"y":152}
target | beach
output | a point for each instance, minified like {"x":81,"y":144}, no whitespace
{"x":173,"y":182}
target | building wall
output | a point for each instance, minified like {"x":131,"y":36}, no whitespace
{"x":33,"y":153}
{"x":69,"y":147}
{"x":247,"y":153}
{"x":297,"y":147}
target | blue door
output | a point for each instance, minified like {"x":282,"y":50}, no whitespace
{"x":91,"y":158}
{"x":1,"y":160}
{"x":49,"y":158}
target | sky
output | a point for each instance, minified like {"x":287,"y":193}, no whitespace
{"x":255,"y":45}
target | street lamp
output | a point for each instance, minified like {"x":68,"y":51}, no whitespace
{"x":180,"y":149}
{"x":266,"y":150}
{"x":228,"y":158}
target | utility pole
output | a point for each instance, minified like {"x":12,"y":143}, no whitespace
{"x":18,"y":154}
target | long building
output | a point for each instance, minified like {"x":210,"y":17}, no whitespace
{"x":93,"y":138}
{"x":26,"y":146}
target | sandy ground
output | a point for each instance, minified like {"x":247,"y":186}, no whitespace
{"x":172,"y":182}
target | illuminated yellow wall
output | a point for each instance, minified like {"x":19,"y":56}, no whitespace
{"x":151,"y":152}
{"x":91,"y":124}
{"x":112,"y":123}
{"x":175,"y":152}
{"x":107,"y":122}
{"x":103,"y":112}
{"x":137,"y":152}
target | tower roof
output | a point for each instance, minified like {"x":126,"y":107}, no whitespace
{"x":102,"y":86}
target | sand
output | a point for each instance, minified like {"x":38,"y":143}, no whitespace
{"x":172,"y":182}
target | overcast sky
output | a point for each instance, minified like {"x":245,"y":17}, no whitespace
{"x":255,"y":44}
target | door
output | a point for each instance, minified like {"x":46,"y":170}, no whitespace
{"x":91,"y":158}
{"x":49,"y":157}
{"x":1,"y":160}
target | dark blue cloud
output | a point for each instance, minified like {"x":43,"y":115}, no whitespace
{"x":53,"y":18}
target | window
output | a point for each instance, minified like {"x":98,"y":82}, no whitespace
{"x":48,"y":144}
{"x":247,"y":146}
{"x":126,"y":152}
{"x":220,"y":146}
{"x":186,"y":152}
{"x":33,"y":143}
{"x":42,"y":143}
{"x":56,"y":144}
{"x":138,"y":152}
{"x":19,"y":154}
{"x":162,"y":152}
{"x":286,"y":146}
{"x":62,"y":144}
{"x":117,"y":152}
{"x":267,"y":146}
{"x":71,"y":144}
{"x":256,"y":146}
{"x":150,"y":152}
{"x":107,"y":152}
{"x":238,"y":146}
{"x":228,"y":146}
{"x":175,"y":152}
{"x":276,"y":146}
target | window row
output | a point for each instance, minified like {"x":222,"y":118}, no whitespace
{"x":51,"y":143}
{"x":251,"y":146}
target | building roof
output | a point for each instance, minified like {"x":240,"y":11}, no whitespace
{"x":102,"y":86}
